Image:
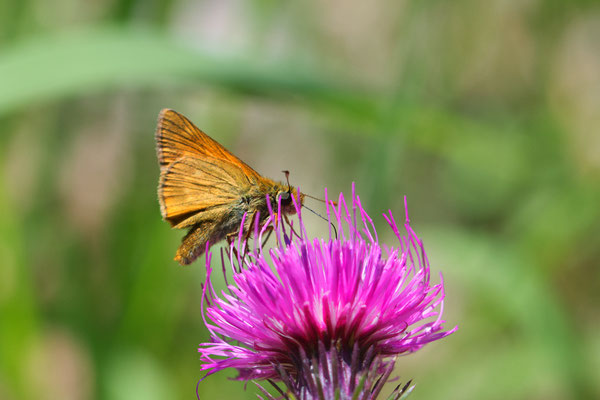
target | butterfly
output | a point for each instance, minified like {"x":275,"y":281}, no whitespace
{"x":207,"y":190}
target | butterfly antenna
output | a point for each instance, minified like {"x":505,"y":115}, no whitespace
{"x":287,"y":178}
{"x":321,"y":200}
{"x":323,"y":218}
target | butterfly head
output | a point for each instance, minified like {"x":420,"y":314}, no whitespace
{"x":285,"y":195}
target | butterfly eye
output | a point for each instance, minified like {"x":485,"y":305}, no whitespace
{"x":285,"y":197}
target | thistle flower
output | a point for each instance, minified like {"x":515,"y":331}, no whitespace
{"x":327,"y":318}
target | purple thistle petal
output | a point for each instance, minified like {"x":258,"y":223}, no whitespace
{"x":340,"y":307}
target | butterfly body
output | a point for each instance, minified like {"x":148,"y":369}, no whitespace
{"x":206,"y":189}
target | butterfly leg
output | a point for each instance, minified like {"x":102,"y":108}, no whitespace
{"x":266,"y":239}
{"x":291,"y":226}
{"x":231,"y":237}
{"x":250,"y":226}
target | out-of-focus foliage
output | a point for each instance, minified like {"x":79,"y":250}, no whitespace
{"x":485,"y":114}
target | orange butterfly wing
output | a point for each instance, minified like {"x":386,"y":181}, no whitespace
{"x":177,"y":136}
{"x":197,"y":173}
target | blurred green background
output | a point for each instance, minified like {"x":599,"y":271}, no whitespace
{"x":485,"y":114}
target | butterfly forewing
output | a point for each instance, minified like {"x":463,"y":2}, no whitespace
{"x":177,"y":136}
{"x":190,"y":185}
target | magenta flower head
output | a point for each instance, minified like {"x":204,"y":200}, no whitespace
{"x":326,"y":318}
